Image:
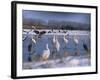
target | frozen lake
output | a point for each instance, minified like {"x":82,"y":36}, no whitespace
{"x":70,"y":47}
{"x":70,"y":61}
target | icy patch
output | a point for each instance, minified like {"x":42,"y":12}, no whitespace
{"x":71,"y":61}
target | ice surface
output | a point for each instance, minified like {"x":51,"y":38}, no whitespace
{"x":71,"y":61}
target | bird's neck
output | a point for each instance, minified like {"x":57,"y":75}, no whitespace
{"x":47,"y":47}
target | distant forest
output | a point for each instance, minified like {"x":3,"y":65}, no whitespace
{"x":54,"y":24}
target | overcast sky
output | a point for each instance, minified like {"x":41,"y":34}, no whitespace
{"x":65,"y":16}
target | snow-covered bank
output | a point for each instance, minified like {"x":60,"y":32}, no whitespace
{"x":62,"y":32}
{"x":71,"y":61}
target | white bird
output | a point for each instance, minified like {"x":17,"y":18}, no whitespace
{"x":57,"y":45}
{"x":33,"y":40}
{"x":65,"y":39}
{"x":76,"y":40}
{"x":54,"y":39}
{"x":27,"y":33}
{"x":46,"y":53}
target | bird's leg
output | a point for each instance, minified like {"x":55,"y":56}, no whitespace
{"x":53,"y":53}
{"x":75,"y":50}
{"x":77,"y":53}
{"x":65,"y":47}
{"x":29,"y":50}
{"x":29,"y":57}
{"x":76,"y":47}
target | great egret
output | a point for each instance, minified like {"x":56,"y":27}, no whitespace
{"x":76,"y":40}
{"x":56,"y":43}
{"x":54,"y":39}
{"x":65,"y":42}
{"x":65,"y":39}
{"x":46,"y":53}
{"x":26,"y":34}
{"x":56,"y":46}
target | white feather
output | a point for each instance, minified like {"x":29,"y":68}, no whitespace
{"x":33,"y":40}
{"x":65,"y":40}
{"x":57,"y":45}
{"x":76,"y":41}
{"x":54,"y":39}
{"x":46,"y":53}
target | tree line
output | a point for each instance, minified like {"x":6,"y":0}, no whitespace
{"x":54,"y":24}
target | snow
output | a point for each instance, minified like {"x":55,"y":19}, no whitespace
{"x":56,"y":32}
{"x":70,"y":61}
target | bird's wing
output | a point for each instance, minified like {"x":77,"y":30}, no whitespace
{"x":33,"y":40}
